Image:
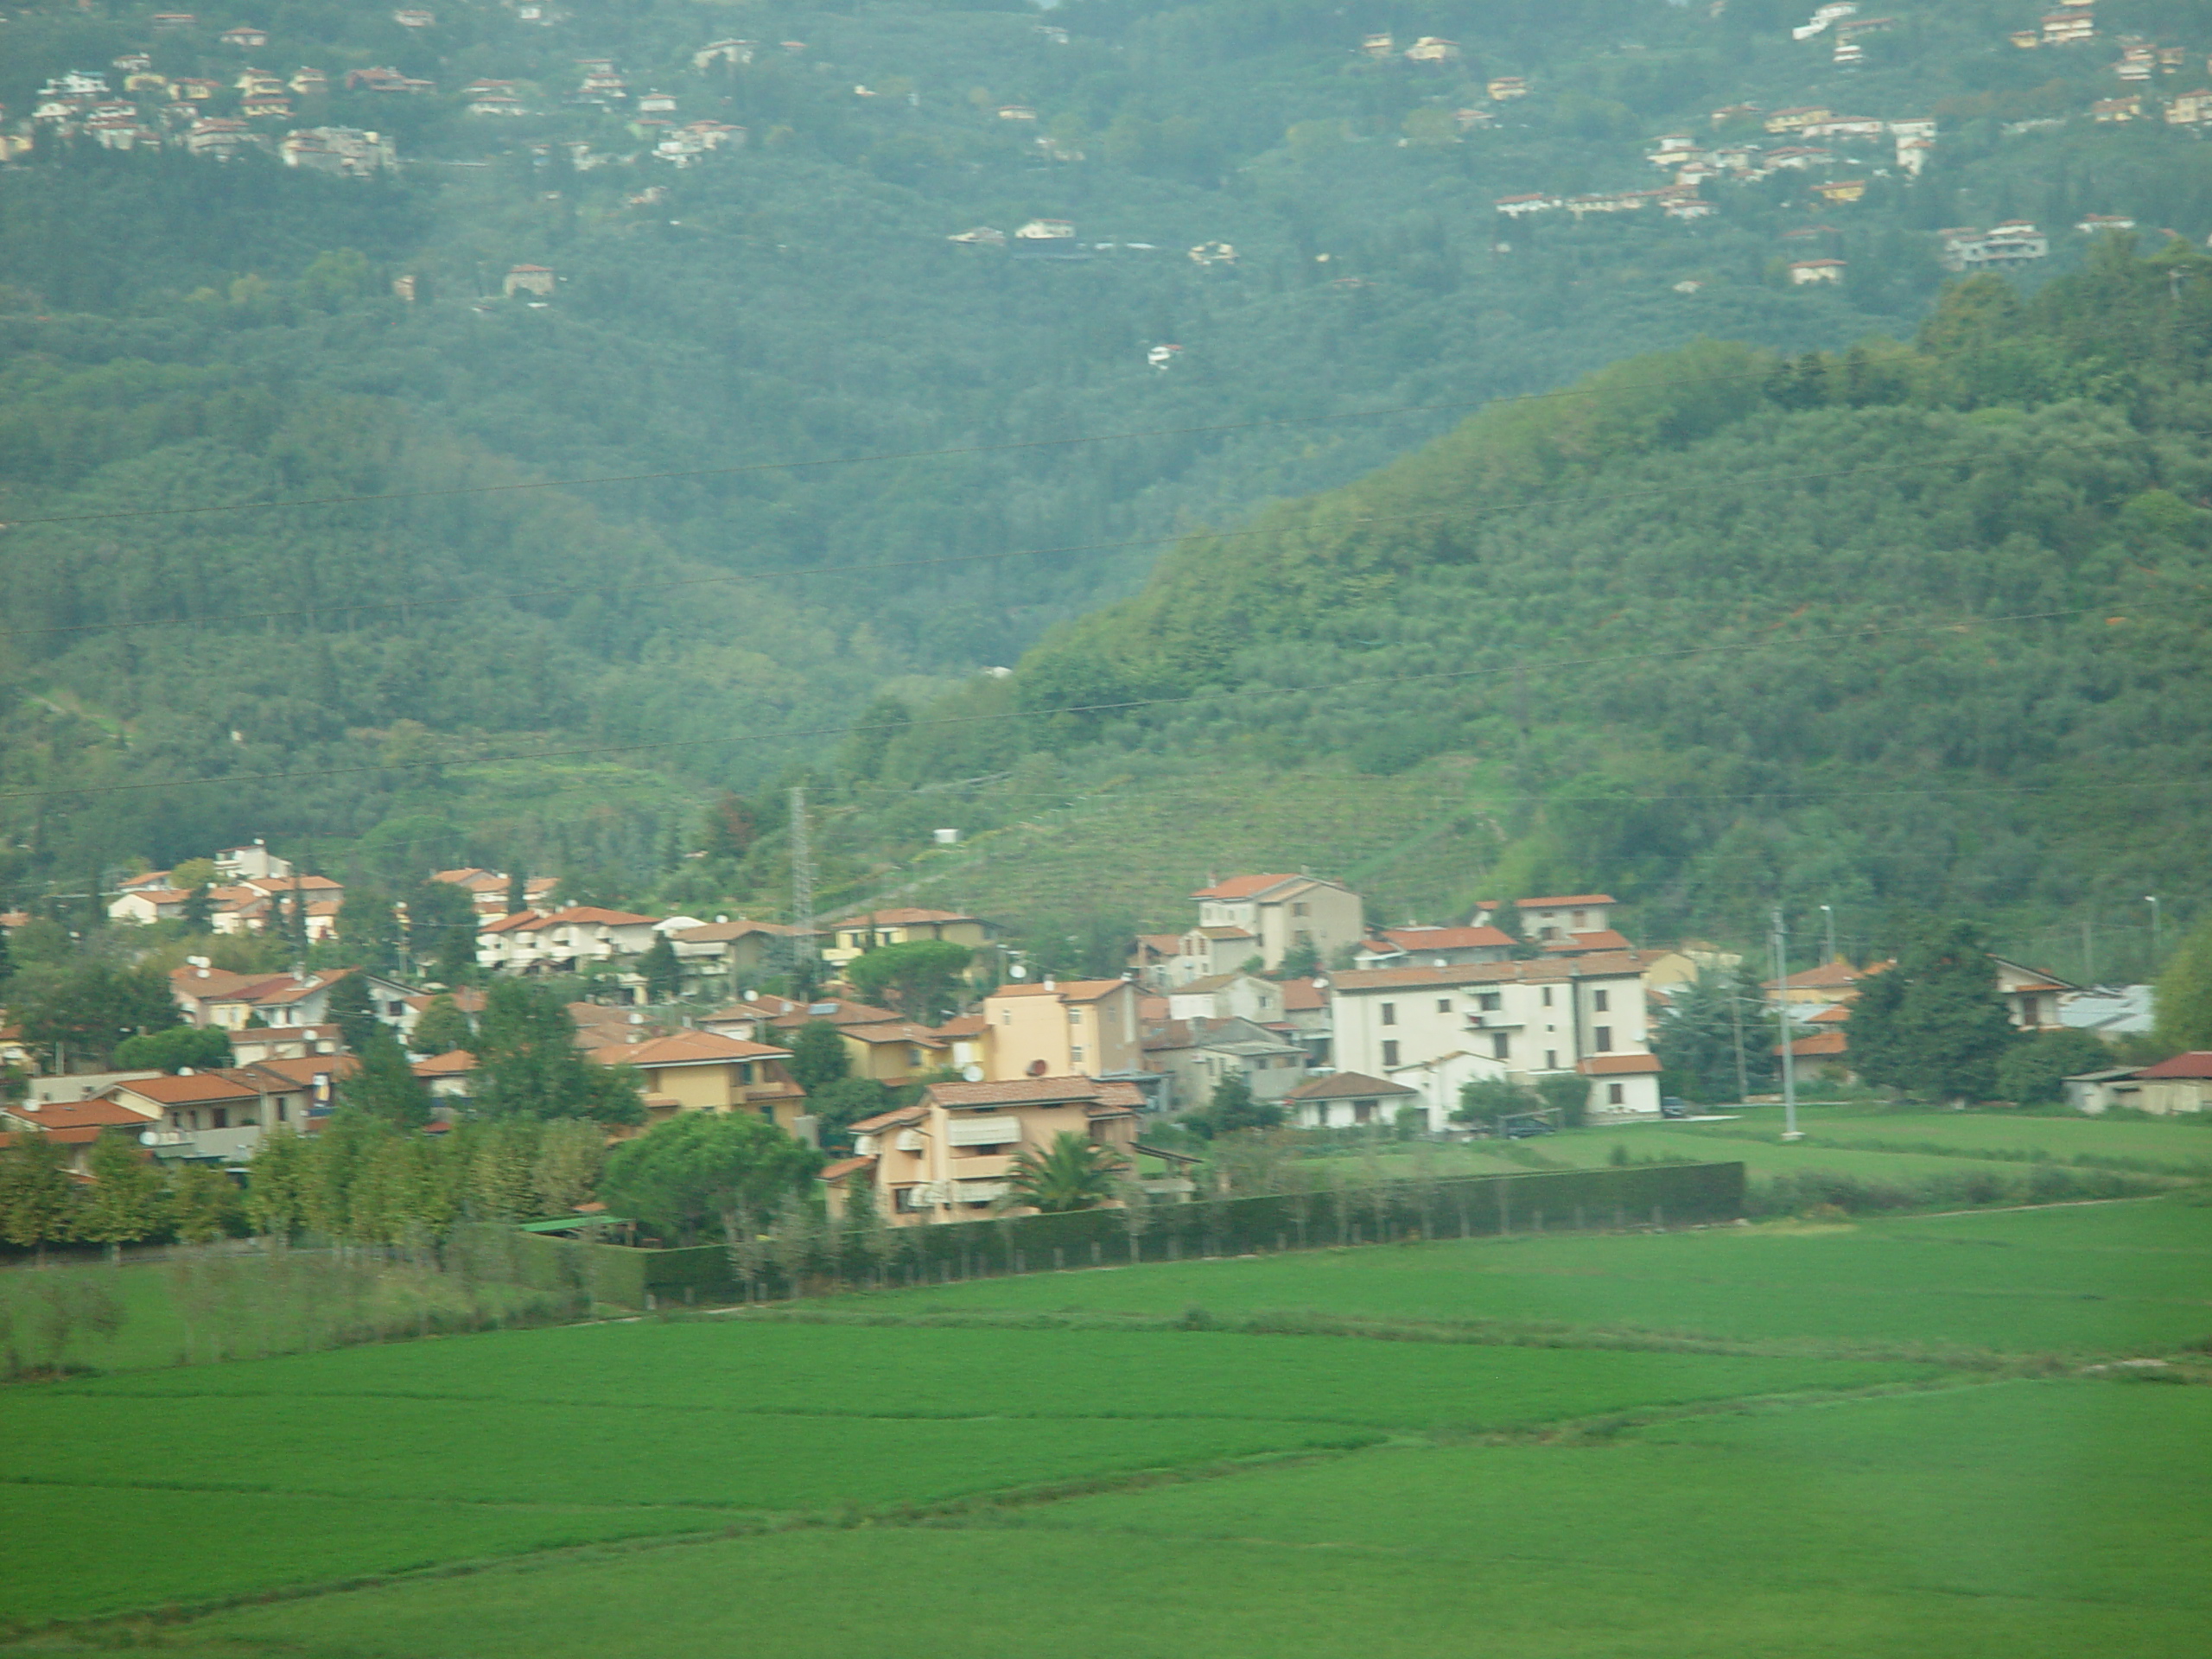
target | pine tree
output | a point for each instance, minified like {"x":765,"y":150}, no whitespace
{"x":386,"y":1087}
{"x":277,"y":1185}
{"x":663,"y":975}
{"x":1933,"y":1024}
{"x":353,"y":1010}
{"x":441,"y":1028}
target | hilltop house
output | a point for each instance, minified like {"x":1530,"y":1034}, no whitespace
{"x":564,"y":941}
{"x":1439,"y":946}
{"x":1278,"y":914}
{"x":715,"y":955}
{"x":947,"y":1157}
{"x":855,"y":936}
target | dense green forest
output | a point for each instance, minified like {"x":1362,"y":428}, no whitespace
{"x":725,"y":337}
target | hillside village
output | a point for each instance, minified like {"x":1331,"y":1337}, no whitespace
{"x":1283,"y":1003}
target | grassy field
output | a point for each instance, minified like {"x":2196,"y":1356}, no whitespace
{"x":1897,"y":1446}
{"x":2181,"y":1146}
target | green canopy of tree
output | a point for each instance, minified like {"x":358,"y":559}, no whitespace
{"x":88,"y":1008}
{"x":128,"y":1200}
{"x":197,"y":1046}
{"x":2033,"y":1072}
{"x":818,"y":1056}
{"x":699,"y":1167}
{"x":843,"y":1102}
{"x":441,"y":1027}
{"x":1074,"y":1172}
{"x":2184,"y":992}
{"x":442,"y":931}
{"x":1933,"y":1024}
{"x":351,"y":1007}
{"x":528,"y":1064}
{"x":662,"y":972}
{"x":1708,"y":1022}
{"x":920,"y":977}
{"x":38,"y":1201}
{"x":1490,"y":1101}
{"x":369,"y":929}
{"x":1233,"y":1107}
{"x":385,"y":1087}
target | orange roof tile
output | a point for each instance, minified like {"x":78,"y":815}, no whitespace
{"x":1242,"y":887}
{"x":1619,"y":1065}
{"x":1068,"y":990}
{"x":1035,"y":1091}
{"x":688,"y":1048}
{"x":1568,"y":899}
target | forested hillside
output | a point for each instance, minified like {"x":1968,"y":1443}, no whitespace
{"x":1882,"y":629}
{"x":733,"y":328}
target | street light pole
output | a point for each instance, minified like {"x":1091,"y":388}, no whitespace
{"x":1789,"y":1131}
{"x":2151,"y":900}
{"x":1829,"y":912}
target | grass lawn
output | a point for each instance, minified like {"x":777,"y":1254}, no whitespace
{"x":2016,"y":1519}
{"x":2019,"y":1282}
{"x":2182,"y":1147}
{"x":795,"y":1374}
{"x":1588,"y":1148}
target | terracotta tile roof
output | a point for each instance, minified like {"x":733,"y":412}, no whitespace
{"x":893,"y":1031}
{"x":101,"y":1111}
{"x":842,"y":1168}
{"x":723,"y":932}
{"x":466,"y":999}
{"x":278,"y":992}
{"x":1619,"y":1065}
{"x":2197,"y":1063}
{"x":908,"y":917}
{"x":1161,"y":944}
{"x":454,"y":1062}
{"x":1820,"y":1043}
{"x":1068,"y":990}
{"x":301,"y":1073}
{"x":1242,"y":887}
{"x":1605,"y":939}
{"x":1036,"y":1091}
{"x":1448,"y":938}
{"x":1304,"y":995}
{"x":1566,"y":902}
{"x":583,"y":915}
{"x":1834,"y":1016}
{"x":1344,"y":1085}
{"x":521,"y":920}
{"x":688,"y":1048}
{"x":188,"y":1091}
{"x":203,"y":984}
{"x":276,"y":883}
{"x":966,"y":1024}
{"x":892,"y":1119}
{"x":1551,"y":971}
{"x":1223,"y":933}
{"x":1829,"y":976}
{"x":836,"y":1011}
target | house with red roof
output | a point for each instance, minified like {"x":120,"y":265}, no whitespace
{"x":948,"y":1156}
{"x":701,"y":1071}
{"x":2183,"y":1083}
{"x":853,"y":936}
{"x":1280,"y":913}
{"x":562,"y":941}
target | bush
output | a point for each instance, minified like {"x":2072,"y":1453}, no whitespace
{"x":2034,"y":1072}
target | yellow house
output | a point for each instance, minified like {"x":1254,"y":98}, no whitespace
{"x":855,"y":936}
{"x":894,"y":1050}
{"x":1061,"y":1028}
{"x":948,"y":1156}
{"x":699,"y":1071}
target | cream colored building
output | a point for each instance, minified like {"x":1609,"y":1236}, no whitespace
{"x":700,"y":1071}
{"x":1280,"y":913}
{"x":948,"y":1157}
{"x":1062,"y":1029}
{"x":855,"y":936}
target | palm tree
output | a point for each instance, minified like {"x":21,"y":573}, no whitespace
{"x":1075,"y":1172}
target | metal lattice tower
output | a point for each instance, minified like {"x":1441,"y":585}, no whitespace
{"x":801,"y":880}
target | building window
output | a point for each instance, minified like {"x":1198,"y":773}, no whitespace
{"x":1551,"y":1059}
{"x":1604,"y":1037}
{"x":1501,"y":1045}
{"x":1444,"y":1005}
{"x":1598,"y":1002}
{"x":1297,"y":910}
{"x":1390,"y":1054}
{"x":1547,"y":997}
{"x":1615,"y":1093}
{"x":1389,"y":1013}
{"x":222,"y":1117}
{"x":1489,"y":1002}
{"x":1075,"y":1053}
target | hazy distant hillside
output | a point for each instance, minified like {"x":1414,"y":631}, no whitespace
{"x":182,"y":332}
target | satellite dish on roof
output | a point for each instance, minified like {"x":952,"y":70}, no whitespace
{"x":1036,"y":1068}
{"x":1017,"y":972}
{"x":145,"y":1137}
{"x":972,"y":1072}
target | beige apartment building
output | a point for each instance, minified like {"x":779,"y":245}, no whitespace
{"x":948,"y":1156}
{"x":1062,"y":1029}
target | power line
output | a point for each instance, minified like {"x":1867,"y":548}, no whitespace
{"x":898,"y":455}
{"x":1121,"y":707}
{"x":1609,"y":498}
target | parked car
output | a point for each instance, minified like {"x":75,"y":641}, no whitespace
{"x":1674,"y":1106}
{"x":1522,"y":1128}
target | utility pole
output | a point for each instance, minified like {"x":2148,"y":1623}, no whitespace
{"x":1789,"y":1131}
{"x":1736,"y":1014}
{"x":2151,"y":900}
{"x":1829,"y":912}
{"x":2088,"y":951}
{"x":801,"y":884}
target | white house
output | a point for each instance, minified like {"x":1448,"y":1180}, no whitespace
{"x":563,"y":941}
{"x":1283,"y":912}
{"x":1435,"y":1029}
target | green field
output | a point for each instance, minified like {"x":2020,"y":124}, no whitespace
{"x":1882,"y":1439}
